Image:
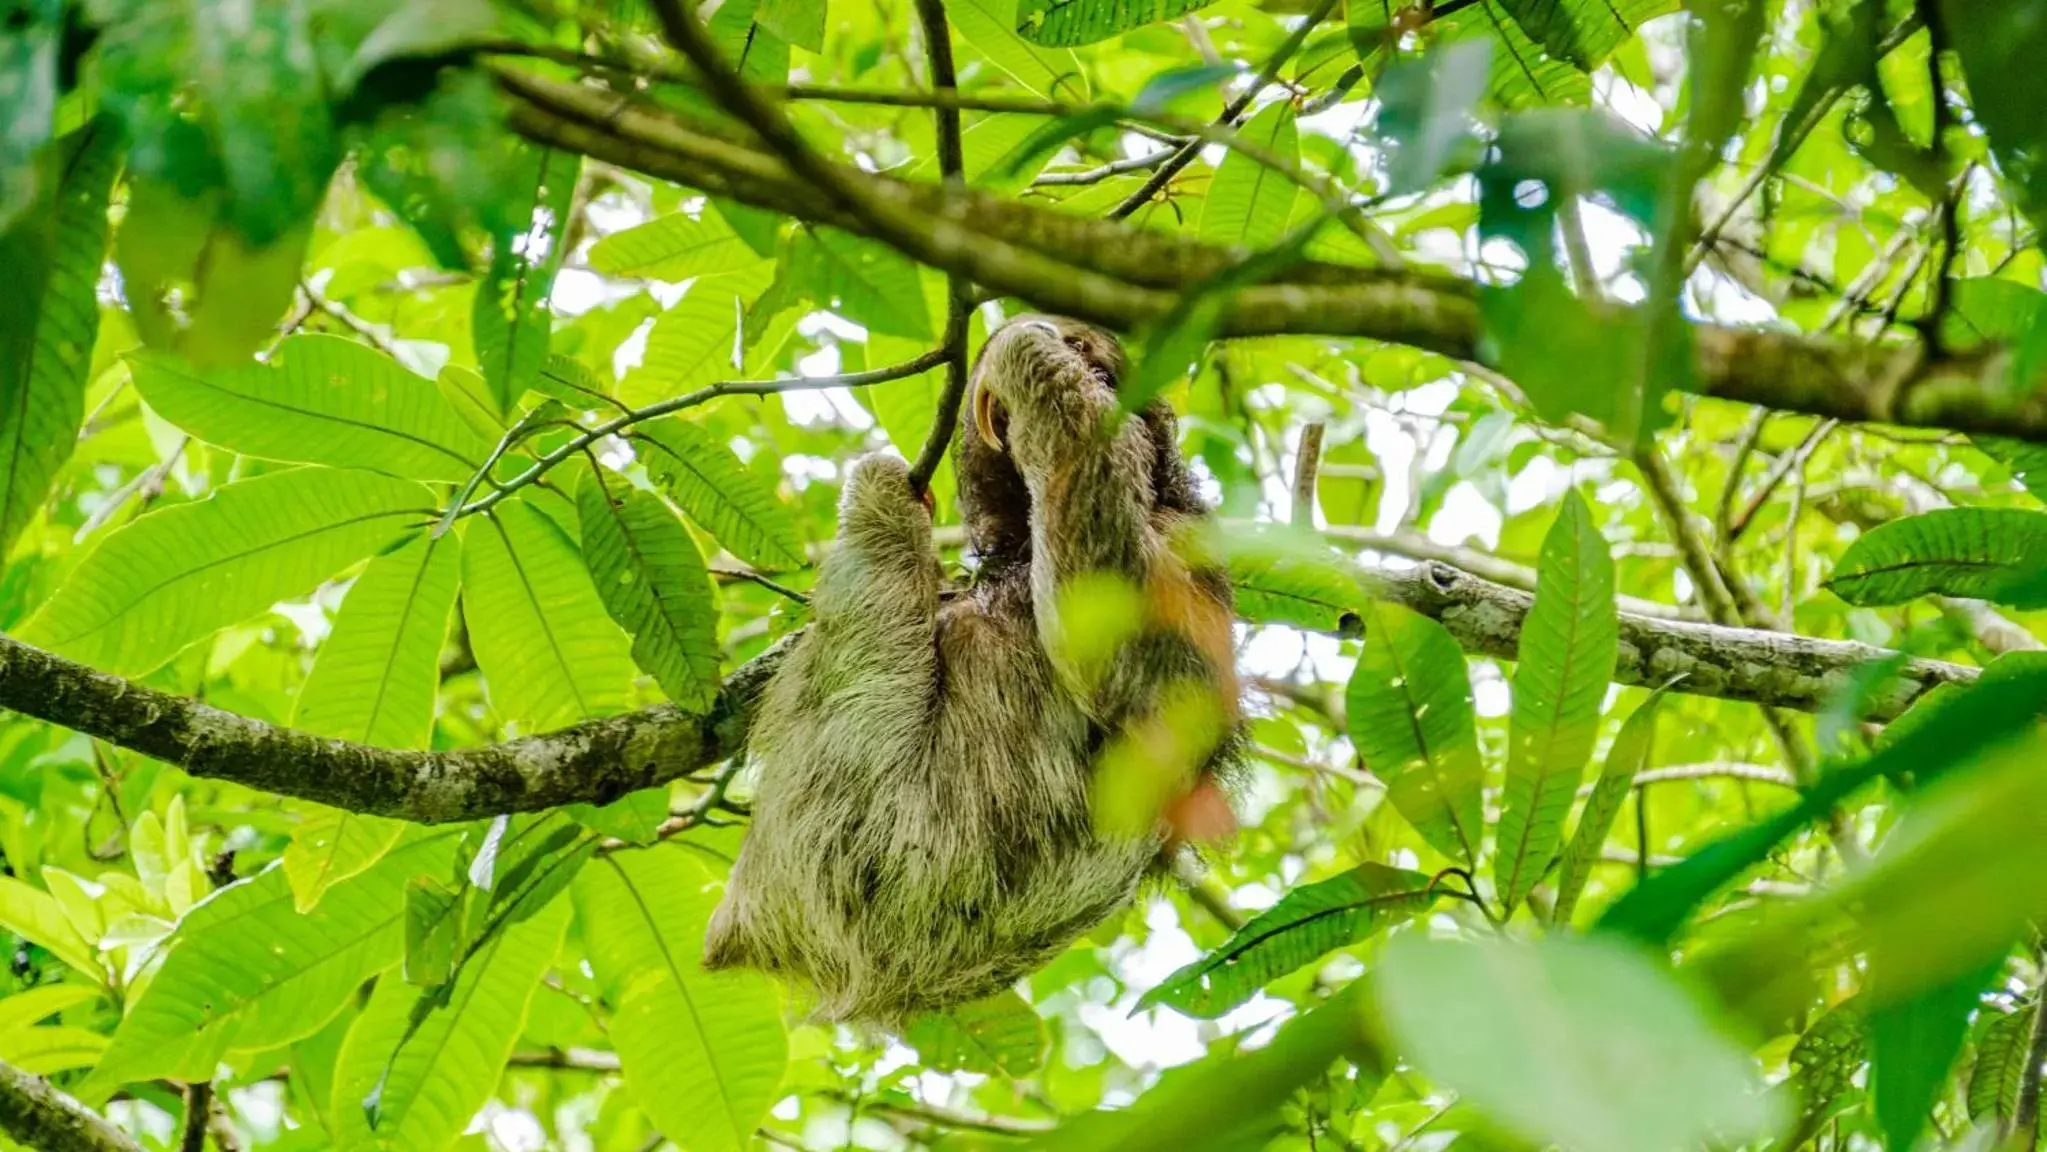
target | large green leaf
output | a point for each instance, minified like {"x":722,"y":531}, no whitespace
{"x":1583,"y":32}
{"x":868,"y":282}
{"x":1913,"y":1043}
{"x":1065,"y":23}
{"x":317,"y":400}
{"x":35,"y":916}
{"x":373,"y":682}
{"x":989,"y":26}
{"x":703,"y":1051}
{"x":178,"y":574}
{"x":48,"y":1051}
{"x":997,"y":1036}
{"x":1286,"y":577}
{"x":1410,"y":717}
{"x":653,"y":582}
{"x":410,"y":1090}
{"x":1569,"y":644}
{"x":1629,"y":755}
{"x":718,"y":492}
{"x":247,"y":970}
{"x":511,"y":319}
{"x":674,"y":247}
{"x":1983,"y":553}
{"x":52,"y":256}
{"x":24,"y":1009}
{"x":1248,"y":203}
{"x":2000,"y":1070}
{"x":1579,"y":1042}
{"x":1308,"y":922}
{"x":690,"y":345}
{"x":549,"y":653}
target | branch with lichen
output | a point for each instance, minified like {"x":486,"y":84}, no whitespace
{"x":36,"y":1114}
{"x":601,"y":760}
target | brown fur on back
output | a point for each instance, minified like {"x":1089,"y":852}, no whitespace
{"x":923,"y":827}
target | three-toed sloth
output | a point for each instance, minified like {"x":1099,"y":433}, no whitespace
{"x":950,"y":789}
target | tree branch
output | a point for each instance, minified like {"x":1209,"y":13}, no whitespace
{"x":600,"y":760}
{"x":959,"y":292}
{"x":1122,"y":277}
{"x":38,"y":1115}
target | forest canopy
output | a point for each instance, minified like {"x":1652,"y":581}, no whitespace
{"x":421,"y":425}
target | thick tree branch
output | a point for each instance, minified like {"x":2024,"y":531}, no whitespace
{"x":37,"y":1115}
{"x":601,"y":760}
{"x":1122,"y":277}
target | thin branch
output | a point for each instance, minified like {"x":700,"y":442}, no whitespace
{"x":198,"y":1107}
{"x":959,"y":295}
{"x":584,"y":439}
{"x":752,"y":577}
{"x":1308,"y":462}
{"x":600,"y":760}
{"x":38,"y":1115}
{"x":1103,"y":172}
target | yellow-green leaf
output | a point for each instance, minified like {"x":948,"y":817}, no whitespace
{"x":654,"y":584}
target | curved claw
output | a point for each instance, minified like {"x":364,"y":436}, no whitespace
{"x":986,"y":407}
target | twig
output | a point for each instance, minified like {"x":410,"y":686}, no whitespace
{"x":1308,"y":461}
{"x":1165,"y":172}
{"x":148,"y":484}
{"x":1104,"y":172}
{"x":752,"y":577}
{"x":617,"y":424}
{"x":349,"y":320}
{"x":198,"y":1104}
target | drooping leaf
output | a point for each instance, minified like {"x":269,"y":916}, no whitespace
{"x":1913,"y":1043}
{"x":1248,"y":203}
{"x":1307,"y":923}
{"x":396,"y":1087}
{"x":677,"y":246}
{"x":1410,"y":713}
{"x":178,"y":574}
{"x":996,"y":1036}
{"x":654,"y":583}
{"x":1983,"y":553}
{"x":1067,"y":23}
{"x":1630,"y":754}
{"x":1569,"y":644}
{"x":710,"y":484}
{"x":246,"y":970}
{"x":512,"y":320}
{"x":703,"y":1051}
{"x":1575,"y":1041}
{"x":549,"y":653}
{"x":1999,"y":1073}
{"x":317,"y":400}
{"x":52,"y":254}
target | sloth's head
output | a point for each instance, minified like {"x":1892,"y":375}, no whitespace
{"x":1057,"y":352}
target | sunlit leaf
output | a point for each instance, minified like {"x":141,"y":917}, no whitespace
{"x":703,"y":1051}
{"x":725,"y":499}
{"x":1630,"y":754}
{"x":512,"y":320}
{"x":1308,"y":922}
{"x":1065,"y":23}
{"x":1983,"y":553}
{"x":998,"y":1036}
{"x":677,"y":246}
{"x":1248,"y":203}
{"x":653,"y":582}
{"x":35,"y":916}
{"x":1569,"y":644}
{"x":1410,"y":712}
{"x":178,"y":574}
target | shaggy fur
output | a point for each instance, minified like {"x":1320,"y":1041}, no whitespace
{"x":923,"y":830}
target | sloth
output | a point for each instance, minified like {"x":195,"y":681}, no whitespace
{"x":930,"y":767}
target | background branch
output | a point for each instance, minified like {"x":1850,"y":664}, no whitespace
{"x":41,"y":1116}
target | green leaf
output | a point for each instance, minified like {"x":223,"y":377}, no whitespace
{"x":674,"y":247}
{"x":727,"y":500}
{"x":1582,"y":32}
{"x":48,"y":1051}
{"x":1999,"y":1073}
{"x":1575,"y":1041}
{"x":374,"y":679}
{"x":433,"y":923}
{"x":1979,"y":717}
{"x":28,"y":59}
{"x":318,"y":400}
{"x":1411,"y":719}
{"x":178,"y":574}
{"x":196,"y":285}
{"x":1308,"y":922}
{"x":1066,"y":23}
{"x":1426,"y":111}
{"x":865,"y":281}
{"x":548,"y":652}
{"x":703,"y":1051}
{"x":1286,"y":577}
{"x":800,"y":22}
{"x":654,"y":584}
{"x":1248,"y":203}
{"x":989,"y":26}
{"x":2000,"y":44}
{"x":1913,"y":1043}
{"x":1722,"y":48}
{"x":273,"y":131}
{"x":1981,"y":553}
{"x":245,"y":970}
{"x":26,"y":1009}
{"x":1824,"y":1063}
{"x":1630,"y":754}
{"x":37,"y":917}
{"x":52,"y":254}
{"x":330,"y":846}
{"x":415,"y":1091}
{"x":690,"y":345}
{"x":1569,"y":644}
{"x":997,"y":1036}
{"x":511,"y":320}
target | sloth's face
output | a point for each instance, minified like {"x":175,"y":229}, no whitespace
{"x":1051,"y":351}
